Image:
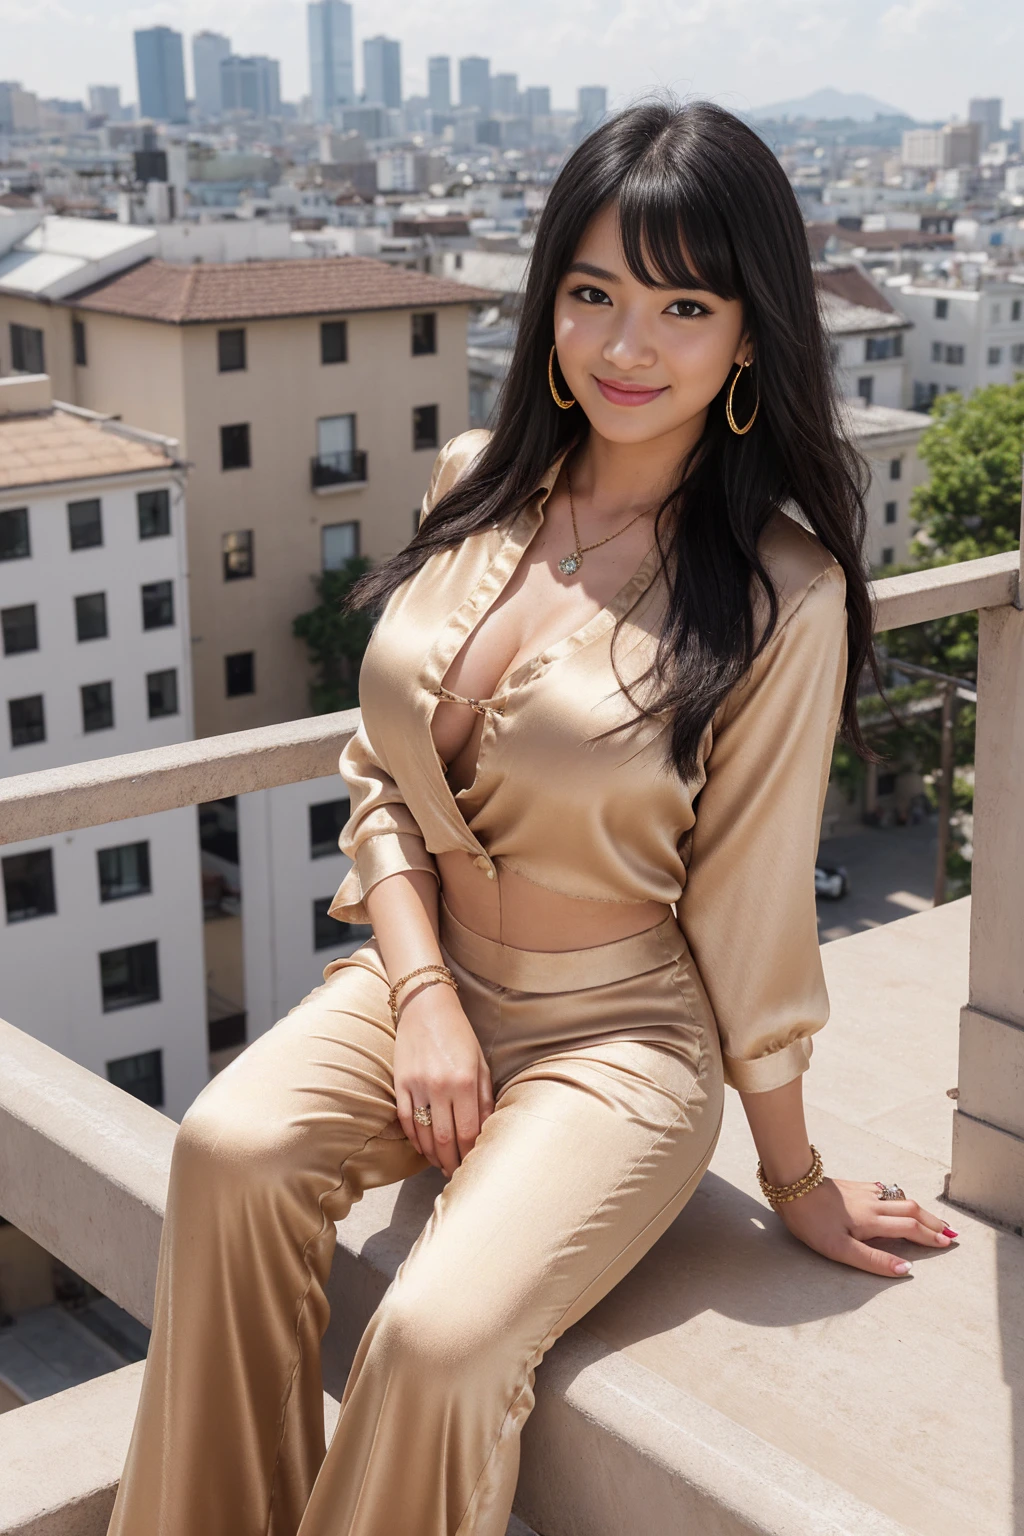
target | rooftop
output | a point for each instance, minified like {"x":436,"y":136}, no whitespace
{"x":265,"y":290}
{"x":44,"y":442}
{"x":851,"y":303}
{"x":867,"y":421}
{"x":59,"y":255}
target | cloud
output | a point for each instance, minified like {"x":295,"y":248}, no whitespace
{"x":913,"y":18}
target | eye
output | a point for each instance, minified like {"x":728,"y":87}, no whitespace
{"x":687,"y":309}
{"x":588,"y":294}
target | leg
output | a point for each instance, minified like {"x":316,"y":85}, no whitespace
{"x":588,"y":1157}
{"x":229,"y":1434}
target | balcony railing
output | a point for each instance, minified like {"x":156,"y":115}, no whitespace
{"x":345,"y":468}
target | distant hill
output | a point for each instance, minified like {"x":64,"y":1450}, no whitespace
{"x":827,"y":104}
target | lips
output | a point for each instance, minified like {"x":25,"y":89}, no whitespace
{"x":627,"y":394}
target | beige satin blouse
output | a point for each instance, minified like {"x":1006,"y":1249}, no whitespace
{"x":733,"y":848}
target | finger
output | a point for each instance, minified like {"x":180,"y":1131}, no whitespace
{"x":443,"y":1126}
{"x":405,"y":1115}
{"x":485,"y":1093}
{"x":419,"y":1095}
{"x":466,"y":1108}
{"x":860,"y":1256}
{"x":915,"y":1212}
{"x":906,"y":1226}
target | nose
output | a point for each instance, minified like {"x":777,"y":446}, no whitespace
{"x":629,"y":345}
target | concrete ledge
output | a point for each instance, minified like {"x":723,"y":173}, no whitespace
{"x":992,"y":1070}
{"x":937,"y":593}
{"x":988,"y":1171}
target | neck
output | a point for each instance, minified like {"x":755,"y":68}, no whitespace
{"x":614,"y":478}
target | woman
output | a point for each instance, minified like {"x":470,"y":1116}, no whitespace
{"x":598,"y":714}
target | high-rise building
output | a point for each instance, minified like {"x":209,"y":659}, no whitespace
{"x":331,"y":57}
{"x":988,"y":112}
{"x":537,"y":101}
{"x":591,"y":106}
{"x":105,"y":100}
{"x":382,"y":71}
{"x":160,"y":68}
{"x":475,"y":84}
{"x":505,"y":95}
{"x":208,"y":49}
{"x":439,"y":83}
{"x":251,"y":85}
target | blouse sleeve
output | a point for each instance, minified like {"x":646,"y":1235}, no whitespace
{"x":381,"y":835}
{"x":748,"y":908}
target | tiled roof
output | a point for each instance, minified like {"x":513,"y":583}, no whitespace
{"x":851,"y":283}
{"x":263,"y":290}
{"x":47,"y":447}
{"x":866,"y":421}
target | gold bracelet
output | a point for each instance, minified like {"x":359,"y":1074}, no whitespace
{"x":781,"y":1194}
{"x":440,"y":973}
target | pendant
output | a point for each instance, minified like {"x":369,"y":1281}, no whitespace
{"x":570,"y":564}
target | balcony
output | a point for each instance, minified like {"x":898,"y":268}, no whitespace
{"x":733,"y":1382}
{"x":338,"y":471}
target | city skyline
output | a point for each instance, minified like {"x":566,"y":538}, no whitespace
{"x":926,"y":56}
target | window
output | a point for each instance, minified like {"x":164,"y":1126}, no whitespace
{"x":339,"y":542}
{"x":888,"y":556}
{"x":892,"y":511}
{"x":28,"y":885}
{"x":334,"y":341}
{"x":240,"y":673}
{"x":895,"y":469}
{"x":20,"y":630}
{"x":954,"y":354}
{"x":936,"y":351}
{"x":897,"y":344}
{"x":158,"y":605}
{"x":866,"y":389}
{"x":14,"y":540}
{"x":97,"y":706}
{"x":27,"y":354}
{"x":995,"y":356}
{"x":997,"y":314}
{"x":234,"y":447}
{"x":154,"y":513}
{"x":237,"y":554}
{"x":85,"y":524}
{"x":91,"y":616}
{"x":142,"y":1076}
{"x":78,"y":342}
{"x":876,"y":348}
{"x":942,"y":309}
{"x":325,"y":822}
{"x":28,"y":722}
{"x":129,"y":976}
{"x":1015,"y":309}
{"x":1016,"y":354}
{"x":328,"y":932}
{"x":424,"y":334}
{"x":886,"y":783}
{"x":230,"y":351}
{"x":424,"y":426}
{"x":124,"y":871}
{"x":162,"y":693}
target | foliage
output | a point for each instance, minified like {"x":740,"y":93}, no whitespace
{"x":335,"y":639}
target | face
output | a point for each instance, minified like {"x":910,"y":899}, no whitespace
{"x":642,"y":362}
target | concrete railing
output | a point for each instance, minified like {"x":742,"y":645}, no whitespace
{"x":988,"y":1143}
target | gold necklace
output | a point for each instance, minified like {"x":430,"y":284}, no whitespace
{"x":570,"y":563}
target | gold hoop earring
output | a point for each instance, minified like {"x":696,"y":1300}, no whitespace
{"x":730,"y":418}
{"x":563,"y":405}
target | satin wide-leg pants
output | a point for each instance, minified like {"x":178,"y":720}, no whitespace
{"x":608,"y":1098}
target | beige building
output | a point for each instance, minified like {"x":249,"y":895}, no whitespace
{"x":889,"y":439}
{"x":309,"y":398}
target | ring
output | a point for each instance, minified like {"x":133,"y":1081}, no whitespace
{"x":889,"y":1191}
{"x":421,"y":1114}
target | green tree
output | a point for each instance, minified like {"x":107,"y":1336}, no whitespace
{"x":335,"y":639}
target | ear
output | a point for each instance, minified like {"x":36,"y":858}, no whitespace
{"x":744,"y":352}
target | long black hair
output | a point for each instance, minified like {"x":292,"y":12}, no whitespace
{"x":690,"y":179}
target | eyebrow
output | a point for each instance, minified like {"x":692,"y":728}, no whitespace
{"x":588,"y":270}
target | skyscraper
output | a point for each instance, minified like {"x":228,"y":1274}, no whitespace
{"x":160,"y":68}
{"x":251,"y":85}
{"x":591,"y":106}
{"x":988,"y":111}
{"x":475,"y":84}
{"x":382,"y":71}
{"x":208,"y":49}
{"x":537,"y":101}
{"x":105,"y":100}
{"x":331,"y":57}
{"x":505,"y":95}
{"x":439,"y":83}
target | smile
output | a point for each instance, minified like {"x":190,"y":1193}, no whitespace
{"x":627,"y":394}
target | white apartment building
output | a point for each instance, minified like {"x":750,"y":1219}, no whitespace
{"x":101,"y":944}
{"x":867,"y":334}
{"x":964,"y":335}
{"x":888,"y":439}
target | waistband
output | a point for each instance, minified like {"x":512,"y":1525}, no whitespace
{"x":562,"y":970}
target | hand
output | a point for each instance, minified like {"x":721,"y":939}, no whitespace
{"x":838,"y":1217}
{"x":438,"y":1061}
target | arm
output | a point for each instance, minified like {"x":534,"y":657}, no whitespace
{"x":748,"y":912}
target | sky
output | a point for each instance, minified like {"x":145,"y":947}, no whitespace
{"x":923,"y":56}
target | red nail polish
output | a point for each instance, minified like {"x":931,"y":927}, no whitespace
{"x":948,"y":1232}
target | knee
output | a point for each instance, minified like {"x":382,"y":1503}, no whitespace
{"x":227,"y":1140}
{"x":442,"y":1341}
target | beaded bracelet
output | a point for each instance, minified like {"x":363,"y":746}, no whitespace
{"x":781,"y":1194}
{"x":440,"y":973}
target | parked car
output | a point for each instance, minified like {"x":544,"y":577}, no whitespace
{"x":831,"y":881}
